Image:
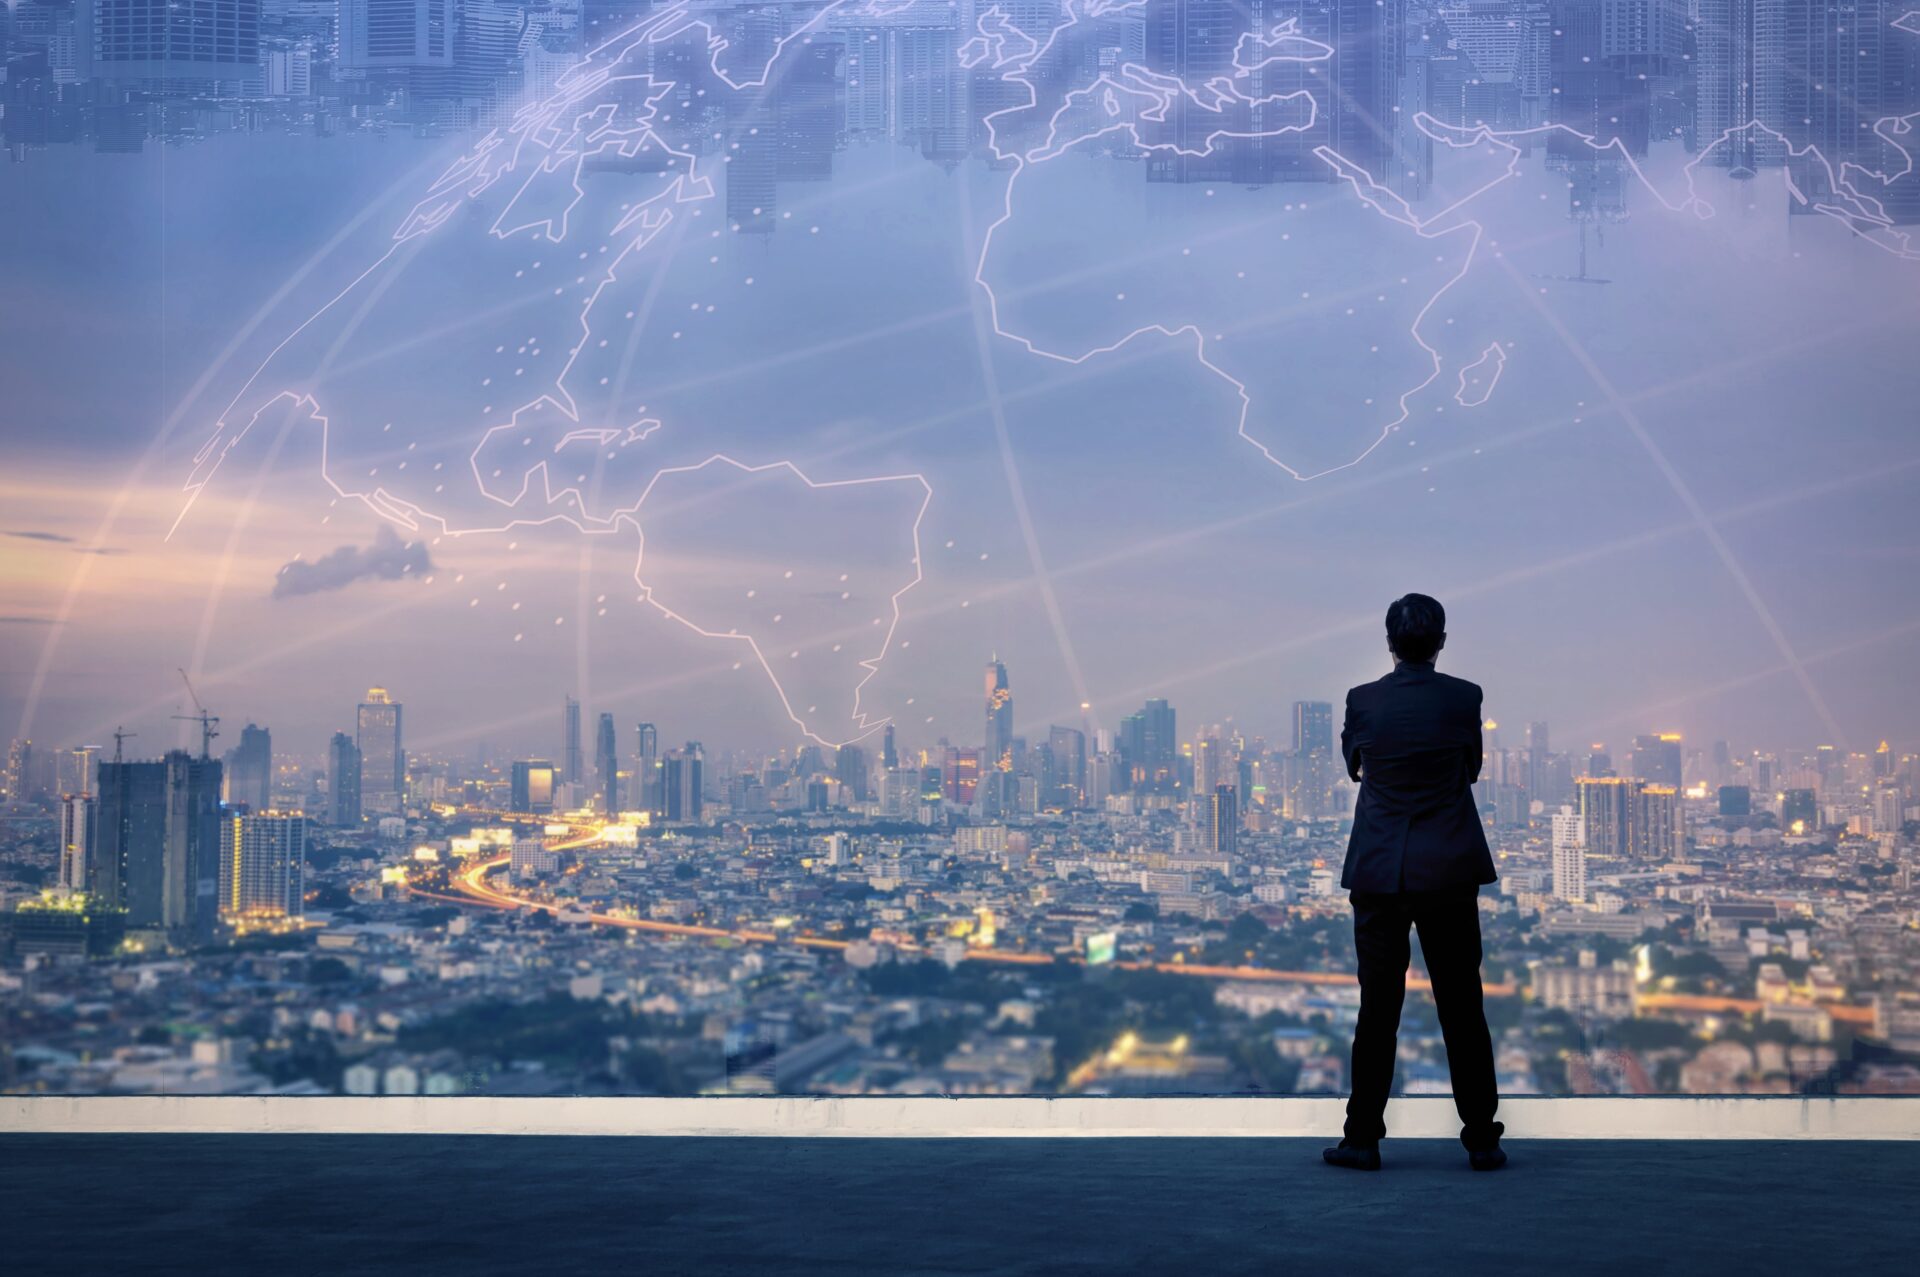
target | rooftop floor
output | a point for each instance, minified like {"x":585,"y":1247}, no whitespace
{"x":486,"y":1204}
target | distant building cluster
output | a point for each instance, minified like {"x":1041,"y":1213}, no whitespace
{"x":1147,"y":908}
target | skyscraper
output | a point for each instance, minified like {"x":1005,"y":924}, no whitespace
{"x":263,"y":860}
{"x":850,"y":769}
{"x":606,"y":762}
{"x":572,"y":764}
{"x":1570,"y":856}
{"x":249,"y":769}
{"x":646,"y":769}
{"x":343,"y":782}
{"x":383,"y":756}
{"x":999,"y":736}
{"x":682,"y":780}
{"x":1069,"y":748}
{"x":1224,"y":820}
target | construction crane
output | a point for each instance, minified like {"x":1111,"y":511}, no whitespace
{"x":120,"y":737}
{"x":206,"y":720}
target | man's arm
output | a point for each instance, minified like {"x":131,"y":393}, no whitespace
{"x":1350,"y":740}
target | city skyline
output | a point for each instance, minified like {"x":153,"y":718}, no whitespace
{"x":1634,"y":524}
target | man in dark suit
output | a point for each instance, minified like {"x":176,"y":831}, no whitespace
{"x":1416,"y":859}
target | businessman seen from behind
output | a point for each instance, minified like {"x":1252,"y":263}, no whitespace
{"x":1415,"y":861}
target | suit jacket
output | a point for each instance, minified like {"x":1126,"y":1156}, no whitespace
{"x":1412,"y":740}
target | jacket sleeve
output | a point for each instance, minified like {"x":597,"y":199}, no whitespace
{"x":1350,"y":740}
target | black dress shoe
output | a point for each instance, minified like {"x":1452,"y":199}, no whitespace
{"x":1355,"y":1157}
{"x":1487,"y":1159}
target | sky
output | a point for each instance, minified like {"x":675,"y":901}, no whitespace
{"x":858,"y":456}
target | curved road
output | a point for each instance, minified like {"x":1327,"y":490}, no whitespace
{"x":472,"y":888}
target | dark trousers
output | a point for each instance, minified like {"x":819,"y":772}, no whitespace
{"x":1449,"y":924}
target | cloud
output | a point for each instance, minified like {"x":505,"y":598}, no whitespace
{"x":98,"y":549}
{"x":33,"y":534}
{"x":387,"y":559}
{"x":24,"y":620}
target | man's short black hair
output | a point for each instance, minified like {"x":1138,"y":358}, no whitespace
{"x":1416,"y":627}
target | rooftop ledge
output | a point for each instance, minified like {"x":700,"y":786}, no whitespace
{"x":999,"y":1117}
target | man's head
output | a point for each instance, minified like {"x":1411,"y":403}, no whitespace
{"x":1416,"y":628}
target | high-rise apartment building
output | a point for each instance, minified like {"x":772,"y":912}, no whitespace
{"x":78,"y":820}
{"x":263,"y":860}
{"x":1570,"y":856}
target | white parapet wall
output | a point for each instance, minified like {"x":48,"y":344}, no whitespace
{"x":919,"y":1117}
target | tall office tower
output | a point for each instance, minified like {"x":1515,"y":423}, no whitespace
{"x":1889,"y":808}
{"x":249,"y":769}
{"x":889,"y":754}
{"x":174,"y":40}
{"x":648,"y":794}
{"x":396,"y":35}
{"x":78,"y":821}
{"x":1224,"y":820}
{"x":1599,"y":761}
{"x":157,"y":844}
{"x":19,"y":770}
{"x":999,"y":738}
{"x":1656,"y":759}
{"x":1570,"y":856}
{"x":807,"y":111}
{"x":573,"y":765}
{"x":532,"y":786}
{"x":1608,"y":808}
{"x":383,"y":756}
{"x":1309,"y":770}
{"x":1069,"y":749}
{"x":263,"y":865}
{"x":1883,"y":760}
{"x":850,"y":769}
{"x":606,"y":765}
{"x":682,"y":781}
{"x":1659,"y":832}
{"x":343,"y":782}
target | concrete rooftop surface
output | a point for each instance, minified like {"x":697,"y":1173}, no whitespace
{"x":482,"y":1204}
